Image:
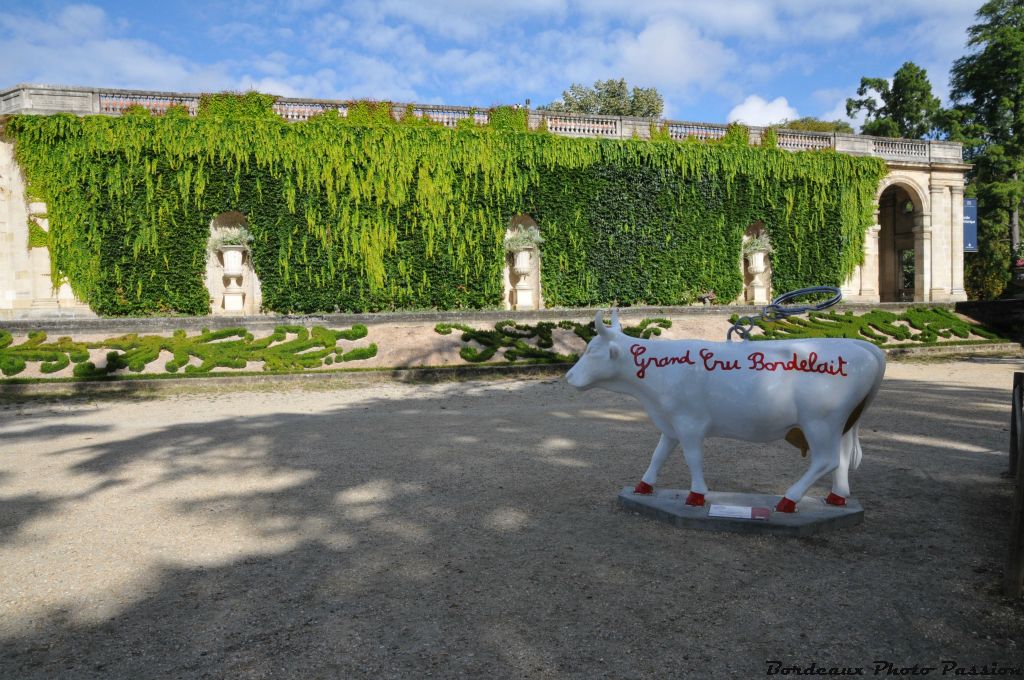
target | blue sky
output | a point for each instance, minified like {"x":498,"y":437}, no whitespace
{"x":755,"y":60}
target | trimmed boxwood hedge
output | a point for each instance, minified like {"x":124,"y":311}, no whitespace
{"x":533,"y":342}
{"x":920,"y":325}
{"x":288,"y":348}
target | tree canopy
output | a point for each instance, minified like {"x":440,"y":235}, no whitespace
{"x":812,"y":124}
{"x":908,"y":107}
{"x":611,"y":98}
{"x":987,"y":89}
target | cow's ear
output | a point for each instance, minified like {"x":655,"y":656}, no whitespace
{"x":613,"y":351}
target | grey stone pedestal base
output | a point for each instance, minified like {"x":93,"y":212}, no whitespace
{"x":813,"y":515}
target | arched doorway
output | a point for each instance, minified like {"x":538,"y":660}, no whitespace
{"x":899,"y":260}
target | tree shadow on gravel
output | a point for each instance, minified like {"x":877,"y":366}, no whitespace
{"x":471,"y":530}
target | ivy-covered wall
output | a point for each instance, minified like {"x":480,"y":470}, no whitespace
{"x":365,"y":213}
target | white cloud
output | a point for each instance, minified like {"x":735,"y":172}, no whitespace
{"x":756,"y":111}
{"x":672,"y":54}
{"x":737,"y":17}
{"x":274,"y":64}
{"x":838,"y":112}
{"x":77,"y":47}
{"x":799,"y":62}
{"x":331,"y":26}
{"x":698,"y":53}
{"x":321,"y":84}
{"x":385,"y":38}
{"x":305,"y":5}
{"x":666,"y":53}
{"x":828,"y":24}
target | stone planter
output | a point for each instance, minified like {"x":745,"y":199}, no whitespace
{"x":756,"y":267}
{"x":523,"y":276}
{"x":755,"y":262}
{"x":233,"y":256}
{"x":234,"y":295}
{"x":522,"y":262}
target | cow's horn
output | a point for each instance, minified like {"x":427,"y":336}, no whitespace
{"x":616,"y":326}
{"x":602,"y":330}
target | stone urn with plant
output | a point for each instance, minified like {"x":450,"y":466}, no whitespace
{"x":754,"y":249}
{"x":522,"y":244}
{"x":232,"y":243}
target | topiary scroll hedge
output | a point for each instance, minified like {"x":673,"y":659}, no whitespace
{"x":366,"y":213}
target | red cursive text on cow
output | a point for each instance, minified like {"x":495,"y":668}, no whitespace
{"x":713,"y":364}
{"x":642,"y":362}
{"x":808,"y":365}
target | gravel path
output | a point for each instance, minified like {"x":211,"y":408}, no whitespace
{"x":470,"y":530}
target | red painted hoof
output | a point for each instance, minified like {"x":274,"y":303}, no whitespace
{"x":695,"y":498}
{"x":785,"y":505}
{"x":644,"y":488}
{"x":835,"y":499}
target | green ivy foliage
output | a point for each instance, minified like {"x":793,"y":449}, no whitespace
{"x":932,"y":325}
{"x":533,"y":342}
{"x":37,"y":236}
{"x":366,"y":213}
{"x":226,"y":105}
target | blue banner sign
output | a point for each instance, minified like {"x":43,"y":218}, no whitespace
{"x":970,"y":225}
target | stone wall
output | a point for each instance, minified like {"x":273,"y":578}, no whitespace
{"x":931,"y":172}
{"x":26,"y":290}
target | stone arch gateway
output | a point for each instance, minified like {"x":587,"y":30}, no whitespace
{"x":914,"y":252}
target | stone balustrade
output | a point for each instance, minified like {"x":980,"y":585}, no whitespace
{"x":112,"y":103}
{"x":796,"y":140}
{"x":49,"y":99}
{"x":683,"y":131}
{"x":571,"y":125}
{"x":295,"y":111}
{"x":449,"y":116}
{"x":903,"y":149}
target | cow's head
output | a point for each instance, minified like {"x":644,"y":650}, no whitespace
{"x":601,"y":360}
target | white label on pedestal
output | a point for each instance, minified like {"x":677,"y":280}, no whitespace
{"x":740,"y":512}
{"x":735,"y":511}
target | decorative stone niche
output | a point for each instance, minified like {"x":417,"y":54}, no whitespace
{"x":233,"y":285}
{"x":756,"y":266}
{"x":522,"y":266}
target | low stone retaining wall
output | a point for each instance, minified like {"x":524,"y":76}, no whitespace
{"x":407,"y":347}
{"x":73,"y":325}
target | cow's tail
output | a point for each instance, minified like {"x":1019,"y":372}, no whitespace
{"x":856,"y":452}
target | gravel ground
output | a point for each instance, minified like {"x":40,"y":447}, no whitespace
{"x":470,"y":530}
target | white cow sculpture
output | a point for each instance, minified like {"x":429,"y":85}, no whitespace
{"x":811,"y":392}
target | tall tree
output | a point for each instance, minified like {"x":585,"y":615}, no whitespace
{"x":610,"y":97}
{"x":908,"y":107}
{"x":988,"y":90}
{"x":812,"y":124}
